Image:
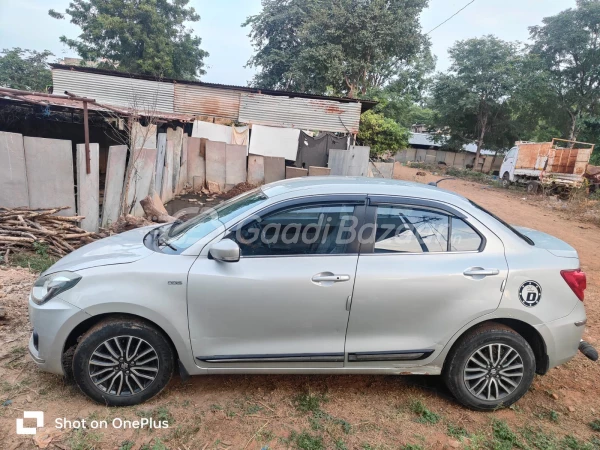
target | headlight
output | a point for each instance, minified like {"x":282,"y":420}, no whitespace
{"x":51,"y":285}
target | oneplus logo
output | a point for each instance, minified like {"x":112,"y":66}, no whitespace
{"x":39,"y":418}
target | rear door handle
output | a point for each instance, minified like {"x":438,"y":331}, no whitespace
{"x":479,"y":272}
{"x":334,"y":278}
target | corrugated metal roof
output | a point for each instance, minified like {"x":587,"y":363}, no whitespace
{"x":206,"y":101}
{"x":307,"y":114}
{"x":365,"y":103}
{"x":78,"y":104}
{"x":426,"y":139}
{"x":131,"y":93}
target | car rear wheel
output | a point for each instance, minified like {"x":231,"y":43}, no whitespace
{"x":122,"y":362}
{"x":491,"y":367}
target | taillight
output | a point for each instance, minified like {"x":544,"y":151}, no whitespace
{"x":576,"y":281}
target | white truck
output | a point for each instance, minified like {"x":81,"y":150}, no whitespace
{"x":558,"y":165}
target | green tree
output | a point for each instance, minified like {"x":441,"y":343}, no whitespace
{"x":25,"y":69}
{"x":403,"y":98}
{"x":138,"y":36}
{"x":567,"y":46}
{"x":341,"y":47}
{"x":472,"y":99}
{"x":381,"y":134}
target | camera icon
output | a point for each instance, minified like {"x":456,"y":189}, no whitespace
{"x":39,"y":418}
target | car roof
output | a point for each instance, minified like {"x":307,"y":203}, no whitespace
{"x":358,"y":185}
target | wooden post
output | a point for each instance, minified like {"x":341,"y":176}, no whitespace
{"x":86,"y":132}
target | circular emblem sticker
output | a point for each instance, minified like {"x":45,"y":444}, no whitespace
{"x":530,"y":293}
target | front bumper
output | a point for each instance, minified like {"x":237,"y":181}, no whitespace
{"x":562,"y":336}
{"x":52,"y":321}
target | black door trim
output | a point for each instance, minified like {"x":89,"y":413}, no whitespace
{"x":375,"y":200}
{"x":392,"y":355}
{"x":290,"y":357}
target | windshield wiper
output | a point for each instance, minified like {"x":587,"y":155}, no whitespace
{"x":160,"y":241}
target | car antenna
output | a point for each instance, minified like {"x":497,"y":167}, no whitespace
{"x":435,"y":183}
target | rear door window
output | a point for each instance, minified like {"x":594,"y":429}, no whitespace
{"x":409,"y":229}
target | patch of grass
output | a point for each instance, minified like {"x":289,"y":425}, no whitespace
{"x":214,"y":407}
{"x":539,"y":439}
{"x":503,"y":437}
{"x":572,"y":443}
{"x":340,"y":445}
{"x":456,"y":432}
{"x":265,"y":436}
{"x":306,"y":441}
{"x":595,"y":425}
{"x":308,"y":402}
{"x":34,"y":261}
{"x":84,"y":440}
{"x":157,"y":445}
{"x":253,"y":409}
{"x":163,"y":414}
{"x":126,"y":445}
{"x":425,"y":415}
{"x":412,"y":447}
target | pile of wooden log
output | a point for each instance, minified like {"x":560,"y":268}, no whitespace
{"x":27,"y":229}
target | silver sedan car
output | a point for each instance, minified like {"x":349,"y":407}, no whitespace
{"x":315,"y":275}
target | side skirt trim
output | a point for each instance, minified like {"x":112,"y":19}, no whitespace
{"x":292,"y":357}
{"x":393,"y":355}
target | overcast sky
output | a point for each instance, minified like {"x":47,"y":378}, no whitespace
{"x":26,"y":24}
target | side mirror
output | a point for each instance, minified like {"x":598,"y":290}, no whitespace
{"x":225,"y":250}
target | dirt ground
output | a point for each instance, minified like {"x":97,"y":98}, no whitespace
{"x":318,"y":412}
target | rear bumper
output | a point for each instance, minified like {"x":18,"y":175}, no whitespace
{"x":562,"y":336}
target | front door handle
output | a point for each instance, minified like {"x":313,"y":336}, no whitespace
{"x":479,"y":272}
{"x":333,"y":278}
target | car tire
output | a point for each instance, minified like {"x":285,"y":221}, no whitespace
{"x":506,"y":180}
{"x":136,"y":357}
{"x":500,"y":387}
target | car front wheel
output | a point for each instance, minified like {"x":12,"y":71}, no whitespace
{"x":491,"y":367}
{"x":122,"y":362}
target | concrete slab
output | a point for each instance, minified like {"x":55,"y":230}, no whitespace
{"x":13,"y":173}
{"x":449,"y":160}
{"x":256,"y":169}
{"x":143,"y":137}
{"x":183,"y":169}
{"x":215,"y":163}
{"x":50,"y":179}
{"x":421,"y":155}
{"x":160,"y":161}
{"x":235,"y":165}
{"x":113,"y":186}
{"x":196,"y":168}
{"x":385,"y":169}
{"x":141,"y":176}
{"x":88,"y":187}
{"x":351,"y":162}
{"x":295,"y":172}
{"x":274,"y":169}
{"x":316,"y":171}
{"x":176,"y":136}
{"x":431,"y":156}
{"x":166,"y":191}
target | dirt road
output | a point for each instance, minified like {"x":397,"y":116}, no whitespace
{"x":318,"y":412}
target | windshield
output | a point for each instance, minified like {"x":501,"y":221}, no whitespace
{"x":510,"y":227}
{"x":181,"y":235}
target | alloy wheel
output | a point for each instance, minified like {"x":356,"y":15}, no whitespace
{"x":493,"y":372}
{"x":123,"y":365}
